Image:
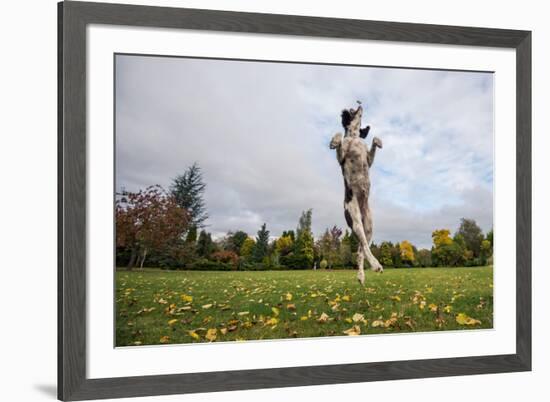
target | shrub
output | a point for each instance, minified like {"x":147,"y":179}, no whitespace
{"x":323,"y":264}
{"x":226,"y":257}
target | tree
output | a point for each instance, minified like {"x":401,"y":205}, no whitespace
{"x":262,"y":244}
{"x":407,"y":253}
{"x":424,"y":257}
{"x":472,"y":235}
{"x":236,"y":240}
{"x":289,"y":233}
{"x":445,"y":251}
{"x":386,"y":254}
{"x":191,"y":237}
{"x":303,"y":250}
{"x":284,"y":244}
{"x":149,"y":220}
{"x":205,"y":245}
{"x":346,"y":253}
{"x":486,"y":250}
{"x":248,"y":247}
{"x":441,"y":250}
{"x":188,"y":191}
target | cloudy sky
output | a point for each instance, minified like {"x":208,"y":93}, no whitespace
{"x":260,"y":133}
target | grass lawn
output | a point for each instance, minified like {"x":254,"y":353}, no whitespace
{"x":154,"y":306}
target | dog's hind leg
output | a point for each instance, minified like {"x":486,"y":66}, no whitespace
{"x":354,"y":219}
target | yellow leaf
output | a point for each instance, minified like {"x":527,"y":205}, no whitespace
{"x":358,"y":317}
{"x":211,"y":334}
{"x":172,"y":322}
{"x":272,"y":321}
{"x":223,"y":331}
{"x":165,"y":339}
{"x":422,"y":304}
{"x":194,"y":335}
{"x":207,"y":306}
{"x":353,"y":331}
{"x":395,"y":298}
{"x":186,"y":298}
{"x":447,"y":309}
{"x":243,"y":313}
{"x":346,"y":298}
{"x":288,"y":296}
{"x":377,"y":323}
{"x":433,"y":307}
{"x":275,"y":311}
{"x":303,"y":318}
{"x":348,"y":320}
{"x":323,"y":318}
{"x":463,"y":319}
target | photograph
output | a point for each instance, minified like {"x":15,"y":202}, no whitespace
{"x":265,"y":200}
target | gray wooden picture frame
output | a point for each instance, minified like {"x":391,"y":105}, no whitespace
{"x":73,"y":18}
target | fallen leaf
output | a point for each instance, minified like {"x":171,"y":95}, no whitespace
{"x":377,"y":323}
{"x":303,"y":318}
{"x":186,"y":298}
{"x":275,"y":311}
{"x":165,"y":339}
{"x":243,"y":313}
{"x":291,"y":306}
{"x":272,"y":321}
{"x":162,"y":301}
{"x":194,"y":335}
{"x":346,"y":298}
{"x":211,"y":334}
{"x":433,"y":307}
{"x":323,"y":318}
{"x":353,"y":331}
{"x":288,"y":296}
{"x":358,"y":317}
{"x":463,"y":319}
{"x":223,"y":331}
{"x":207,"y":306}
{"x":172,"y":322}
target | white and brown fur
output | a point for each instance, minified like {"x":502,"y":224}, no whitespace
{"x":355,"y":159}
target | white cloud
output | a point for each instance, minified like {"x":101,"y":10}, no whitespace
{"x":260,"y":132}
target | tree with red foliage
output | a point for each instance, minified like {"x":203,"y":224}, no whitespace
{"x":148,"y":220}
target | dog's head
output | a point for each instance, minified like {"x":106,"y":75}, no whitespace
{"x":351,"y":120}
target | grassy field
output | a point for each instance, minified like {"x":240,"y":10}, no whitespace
{"x":155,"y":307}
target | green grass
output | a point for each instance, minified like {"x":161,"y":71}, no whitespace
{"x":154,"y":306}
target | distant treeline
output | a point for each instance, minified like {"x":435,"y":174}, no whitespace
{"x":166,"y":229}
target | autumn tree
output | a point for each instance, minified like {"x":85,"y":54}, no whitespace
{"x":445,"y":251}
{"x":188,"y":191}
{"x":284,"y":244}
{"x":248,"y":247}
{"x":149,"y":220}
{"x":407,"y":252}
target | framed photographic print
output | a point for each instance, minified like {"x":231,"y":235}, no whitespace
{"x":257,"y":201}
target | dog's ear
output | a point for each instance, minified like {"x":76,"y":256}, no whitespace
{"x":346,"y":118}
{"x":364,"y":132}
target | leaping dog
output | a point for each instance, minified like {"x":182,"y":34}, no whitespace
{"x":355,"y":159}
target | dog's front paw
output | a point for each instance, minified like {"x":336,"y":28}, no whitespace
{"x":336,"y":141}
{"x":377,"y":142}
